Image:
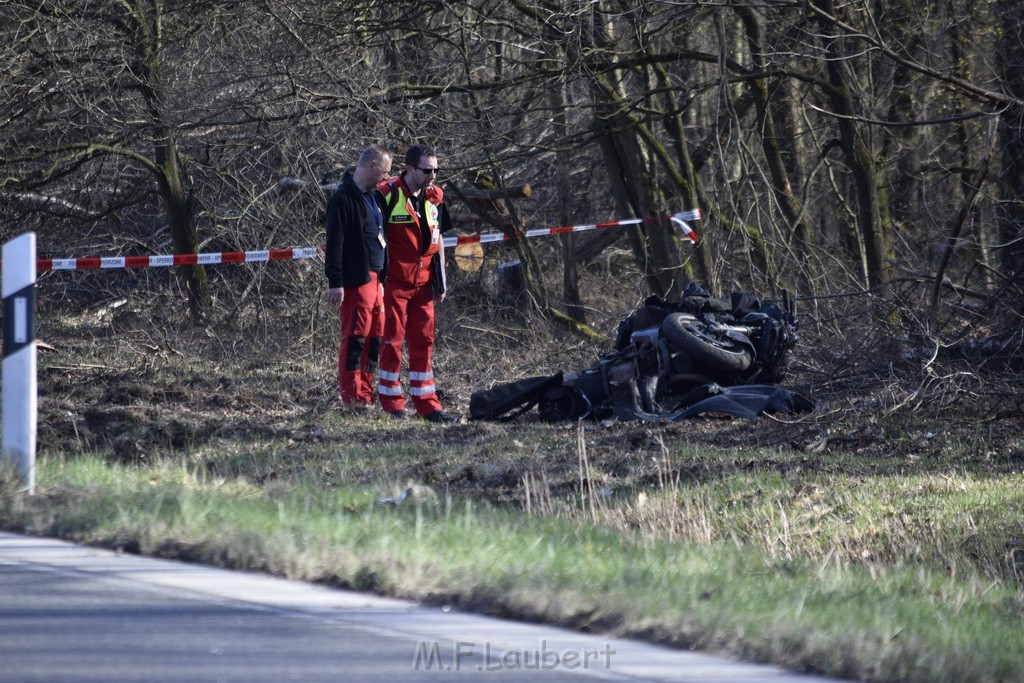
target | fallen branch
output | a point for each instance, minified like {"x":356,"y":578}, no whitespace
{"x":572,"y":324}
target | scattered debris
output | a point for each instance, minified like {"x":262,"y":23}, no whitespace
{"x":395,"y":500}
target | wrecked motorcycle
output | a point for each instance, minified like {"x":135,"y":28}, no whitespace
{"x":700,"y":354}
{"x":672,"y":361}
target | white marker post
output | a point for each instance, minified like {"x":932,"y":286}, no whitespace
{"x":19,"y":367}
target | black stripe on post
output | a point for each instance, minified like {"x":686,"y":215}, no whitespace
{"x":19,"y":320}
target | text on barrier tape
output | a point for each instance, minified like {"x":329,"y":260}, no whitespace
{"x":679,"y":218}
{"x":167,"y":260}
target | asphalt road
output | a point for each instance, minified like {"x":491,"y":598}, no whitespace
{"x":71,"y":614}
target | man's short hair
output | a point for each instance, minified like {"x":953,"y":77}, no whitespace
{"x":374,"y":154}
{"x":417,"y":152}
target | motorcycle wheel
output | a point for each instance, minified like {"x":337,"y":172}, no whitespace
{"x":715,"y":351}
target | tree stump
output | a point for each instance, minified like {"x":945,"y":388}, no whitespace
{"x":511,"y":282}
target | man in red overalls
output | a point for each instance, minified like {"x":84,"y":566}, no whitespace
{"x":354,"y":261}
{"x":415,"y":216}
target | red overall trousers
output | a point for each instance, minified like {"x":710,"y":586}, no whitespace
{"x":409,"y":318}
{"x":362,"y":324}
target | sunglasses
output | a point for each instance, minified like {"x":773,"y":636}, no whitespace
{"x":429,"y":171}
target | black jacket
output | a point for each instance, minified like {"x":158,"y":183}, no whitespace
{"x":349,"y":253}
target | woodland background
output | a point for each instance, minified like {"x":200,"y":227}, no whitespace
{"x":859,"y":150}
{"x":867,"y":156}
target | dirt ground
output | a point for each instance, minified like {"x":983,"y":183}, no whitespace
{"x":115,"y":382}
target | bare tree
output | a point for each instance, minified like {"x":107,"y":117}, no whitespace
{"x":829,"y":145}
{"x":96,"y":94}
{"x":1011,"y":66}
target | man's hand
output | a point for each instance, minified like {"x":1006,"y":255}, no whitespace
{"x":336,"y":295}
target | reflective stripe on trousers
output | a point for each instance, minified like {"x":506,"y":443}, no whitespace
{"x":409,"y":321}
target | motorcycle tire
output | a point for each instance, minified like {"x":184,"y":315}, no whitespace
{"x":705,"y":348}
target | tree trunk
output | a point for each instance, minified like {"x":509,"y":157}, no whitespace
{"x":180,"y":212}
{"x":701,"y":268}
{"x":1011,"y":66}
{"x":570,"y":272}
{"x":169,"y":168}
{"x":503,"y":216}
{"x":630,"y":172}
{"x":856,"y":143}
{"x":792,"y":209}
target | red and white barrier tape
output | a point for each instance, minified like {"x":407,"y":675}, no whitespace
{"x":679,"y":219}
{"x":176,"y":259}
{"x":215,"y":258}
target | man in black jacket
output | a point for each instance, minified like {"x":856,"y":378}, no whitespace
{"x":355,"y":263}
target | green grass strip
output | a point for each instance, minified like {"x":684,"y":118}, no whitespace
{"x":900,"y":623}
